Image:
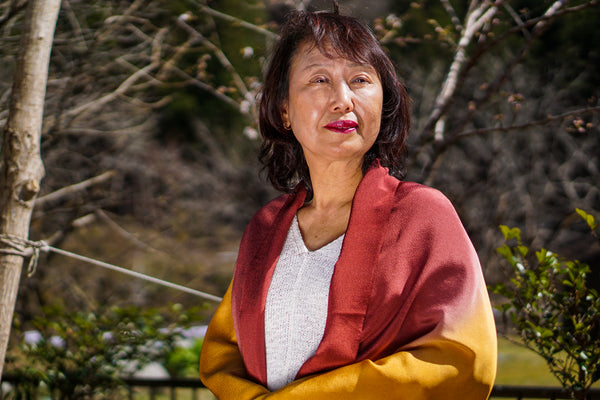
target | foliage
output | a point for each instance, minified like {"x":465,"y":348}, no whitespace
{"x":83,"y":354}
{"x":556,"y":312}
{"x":183,"y":361}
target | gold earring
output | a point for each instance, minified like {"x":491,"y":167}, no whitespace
{"x":287,"y":126}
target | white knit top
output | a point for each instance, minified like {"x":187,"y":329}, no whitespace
{"x":296,"y":307}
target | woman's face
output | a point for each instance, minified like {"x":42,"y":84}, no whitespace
{"x":333,"y":107}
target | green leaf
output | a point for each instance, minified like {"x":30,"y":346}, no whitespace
{"x":589,"y":219}
{"x":522,"y":250}
{"x":510,"y":233}
{"x":507,"y":253}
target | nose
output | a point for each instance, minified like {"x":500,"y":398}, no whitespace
{"x":342,"y":99}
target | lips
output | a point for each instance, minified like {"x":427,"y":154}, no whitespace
{"x":342,"y":126}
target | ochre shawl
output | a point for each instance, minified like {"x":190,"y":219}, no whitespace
{"x":408,"y":317}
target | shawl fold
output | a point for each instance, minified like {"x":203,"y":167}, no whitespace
{"x":408,"y":312}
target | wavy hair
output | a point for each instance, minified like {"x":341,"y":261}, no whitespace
{"x":335,"y":36}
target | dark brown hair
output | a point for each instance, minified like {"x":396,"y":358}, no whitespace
{"x":335,"y":36}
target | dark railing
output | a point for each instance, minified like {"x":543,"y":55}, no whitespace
{"x":537,"y":392}
{"x":173,"y":385}
{"x":191,"y":388}
{"x":133,"y":388}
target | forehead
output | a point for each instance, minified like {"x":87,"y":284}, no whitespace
{"x":309,"y":56}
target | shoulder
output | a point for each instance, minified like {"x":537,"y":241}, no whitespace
{"x":267,"y":214}
{"x":424,"y":209}
{"x":422,"y":198}
{"x":272,"y":212}
{"x":405,"y":193}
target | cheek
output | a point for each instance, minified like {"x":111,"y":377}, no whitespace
{"x":378,"y":111}
{"x":304,"y":111}
{"x":373,"y":112}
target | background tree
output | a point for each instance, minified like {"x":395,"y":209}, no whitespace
{"x":21,"y":168}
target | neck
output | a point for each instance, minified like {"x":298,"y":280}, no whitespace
{"x":334,"y":184}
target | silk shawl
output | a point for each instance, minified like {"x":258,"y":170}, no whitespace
{"x":408,"y":315}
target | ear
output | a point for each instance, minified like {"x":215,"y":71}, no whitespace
{"x":285,"y":118}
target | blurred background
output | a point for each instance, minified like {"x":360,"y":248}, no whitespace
{"x":150,"y":136}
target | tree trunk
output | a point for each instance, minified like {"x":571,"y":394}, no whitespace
{"x":21,"y":167}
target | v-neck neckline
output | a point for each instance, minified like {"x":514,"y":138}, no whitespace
{"x":334,"y":245}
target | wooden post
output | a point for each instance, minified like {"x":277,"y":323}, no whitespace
{"x":21,"y":167}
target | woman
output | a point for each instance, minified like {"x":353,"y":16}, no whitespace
{"x":353,"y":284}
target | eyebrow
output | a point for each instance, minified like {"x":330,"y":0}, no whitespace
{"x":352,"y":65}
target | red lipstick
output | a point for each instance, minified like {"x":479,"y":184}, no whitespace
{"x":342,"y":126}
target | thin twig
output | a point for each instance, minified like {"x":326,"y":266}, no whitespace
{"x":237,"y":79}
{"x":136,"y":129}
{"x":124,"y":233}
{"x":517,"y":19}
{"x":545,"y":121}
{"x":239,"y":22}
{"x":453,"y":16}
{"x":78,"y":187}
{"x":475,"y":20}
{"x":495,"y":85}
{"x":13,"y":8}
{"x":74,"y":22}
{"x":127,"y":83}
{"x":427,"y":133}
{"x":204,"y":86}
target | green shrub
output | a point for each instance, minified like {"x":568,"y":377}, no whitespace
{"x":83,"y":354}
{"x":553,"y":308}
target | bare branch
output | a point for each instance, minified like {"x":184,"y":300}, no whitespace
{"x":222,"y":57}
{"x":123,"y":61}
{"x":144,"y":104}
{"x":111,"y":96}
{"x":549,"y":119}
{"x":517,"y":19}
{"x":118,"y":18}
{"x":74,"y":23}
{"x":452,"y":13}
{"x":552,"y":10}
{"x":237,"y":79}
{"x":180,"y":52}
{"x":475,"y":21}
{"x":543,"y":19}
{"x":501,"y":78}
{"x":123,"y":232}
{"x":427,"y":133}
{"x":78,"y":187}
{"x":126,"y":84}
{"x":204,"y":86}
{"x":13,"y":7}
{"x":239,"y":22}
{"x":146,"y":125}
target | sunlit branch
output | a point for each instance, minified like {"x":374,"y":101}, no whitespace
{"x":237,"y":79}
{"x":13,"y":8}
{"x":74,"y":23}
{"x":239,"y":22}
{"x":495,"y":85}
{"x":452,"y":13}
{"x":549,"y":119}
{"x":517,"y":20}
{"x":127,"y":83}
{"x":475,"y":21}
{"x":204,"y":86}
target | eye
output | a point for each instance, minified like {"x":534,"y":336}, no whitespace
{"x":361,"y":79}
{"x":319,"y":79}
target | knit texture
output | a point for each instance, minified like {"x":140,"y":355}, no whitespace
{"x":296,"y":306}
